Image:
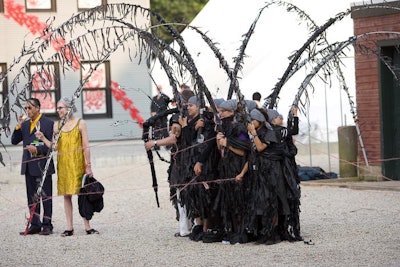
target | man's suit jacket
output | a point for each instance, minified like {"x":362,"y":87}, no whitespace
{"x":34,"y":166}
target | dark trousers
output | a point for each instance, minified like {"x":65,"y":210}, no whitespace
{"x":32,"y":185}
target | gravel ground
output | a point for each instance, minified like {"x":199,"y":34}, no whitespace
{"x":346,"y":227}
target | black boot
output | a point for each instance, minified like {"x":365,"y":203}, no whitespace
{"x":275,"y":237}
{"x":197,"y":233}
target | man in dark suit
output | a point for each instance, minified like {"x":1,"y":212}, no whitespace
{"x":33,"y":164}
{"x":159,"y":104}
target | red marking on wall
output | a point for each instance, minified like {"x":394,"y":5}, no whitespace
{"x":16,"y":12}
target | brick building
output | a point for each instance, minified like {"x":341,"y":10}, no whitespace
{"x":378,"y":86}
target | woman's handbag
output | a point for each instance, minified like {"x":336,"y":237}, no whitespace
{"x":90,"y":197}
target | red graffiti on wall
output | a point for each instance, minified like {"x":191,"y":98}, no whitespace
{"x":126,"y":103}
{"x":59,"y":43}
{"x":43,"y":80}
{"x":17,"y":13}
{"x":94,"y":101}
{"x":97,"y":79}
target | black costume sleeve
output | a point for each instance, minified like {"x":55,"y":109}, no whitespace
{"x":153,"y":106}
{"x":166,"y":99}
{"x":186,"y":136}
{"x":209,"y":138}
{"x":267,"y":136}
{"x":239,"y":138}
{"x":293,"y":126}
{"x":174,"y":119}
{"x":291,"y":149}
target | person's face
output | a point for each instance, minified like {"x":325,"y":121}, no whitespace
{"x":223,"y":113}
{"x":277,"y":121}
{"x":280,"y":120}
{"x":193,"y":110}
{"x":61,"y":110}
{"x":32,"y":111}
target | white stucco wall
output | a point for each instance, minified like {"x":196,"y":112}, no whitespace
{"x":130,"y":75}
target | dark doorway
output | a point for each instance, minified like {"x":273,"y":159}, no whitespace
{"x":390,"y":111}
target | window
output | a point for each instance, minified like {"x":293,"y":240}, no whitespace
{"x":1,"y":6}
{"x":96,"y":97}
{"x":3,"y":88}
{"x":88,"y":4}
{"x":40,"y":5}
{"x":45,"y":86}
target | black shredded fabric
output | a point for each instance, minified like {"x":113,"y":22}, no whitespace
{"x":271,"y":186}
{"x":276,"y":152}
{"x":230,"y":201}
{"x":288,"y":189}
{"x":198,"y":197}
{"x":176,"y":170}
{"x":262,"y":202}
{"x":173,"y":190}
{"x":293,"y":192}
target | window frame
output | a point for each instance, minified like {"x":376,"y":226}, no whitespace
{"x":34,"y":9}
{"x":4,"y":88}
{"x":105,"y":88}
{"x":55,"y":89}
{"x":1,"y":6}
{"x":82,"y":7}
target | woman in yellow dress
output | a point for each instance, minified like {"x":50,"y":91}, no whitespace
{"x":73,"y":160}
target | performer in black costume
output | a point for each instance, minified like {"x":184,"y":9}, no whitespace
{"x":288,"y":188}
{"x":264,"y":170}
{"x":233,"y":143}
{"x":291,"y":170}
{"x":200,"y":159}
{"x":174,"y":171}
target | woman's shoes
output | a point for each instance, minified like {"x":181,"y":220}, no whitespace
{"x":92,"y":231}
{"x":67,"y":233}
{"x":71,"y":232}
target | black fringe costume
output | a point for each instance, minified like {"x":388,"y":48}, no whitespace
{"x":287,"y":188}
{"x":174,"y":177}
{"x":270,"y":187}
{"x":292,"y":179}
{"x":198,"y":197}
{"x":264,"y":170}
{"x":230,"y":201}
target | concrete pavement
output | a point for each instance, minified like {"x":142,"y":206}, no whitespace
{"x":354,"y":183}
{"x":344,"y":227}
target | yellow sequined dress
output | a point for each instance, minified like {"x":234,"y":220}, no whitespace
{"x":70,"y":162}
